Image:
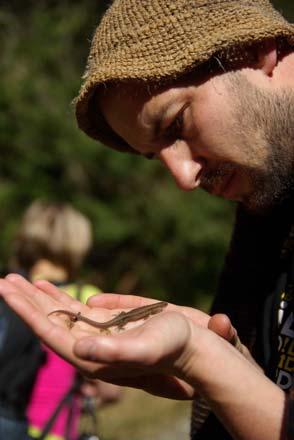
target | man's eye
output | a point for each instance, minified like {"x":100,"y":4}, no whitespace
{"x":175,"y":129}
{"x":150,"y":156}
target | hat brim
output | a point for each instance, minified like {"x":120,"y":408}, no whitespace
{"x":256,"y":26}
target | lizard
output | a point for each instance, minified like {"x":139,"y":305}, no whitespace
{"x":119,"y":320}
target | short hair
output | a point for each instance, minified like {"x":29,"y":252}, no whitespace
{"x":53,"y":231}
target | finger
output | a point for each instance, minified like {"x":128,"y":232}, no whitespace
{"x":56,"y":337}
{"x":54,"y":292}
{"x":117,"y":301}
{"x":235,"y":341}
{"x":61,"y":297}
{"x":28,"y":289}
{"x":9,"y":289}
{"x":28,"y":311}
{"x":46,"y":301}
{"x":21,"y":283}
{"x":222,"y":326}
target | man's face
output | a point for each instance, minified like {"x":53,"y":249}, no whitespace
{"x":227,"y":135}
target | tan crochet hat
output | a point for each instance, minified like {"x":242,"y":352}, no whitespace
{"x":152,"y":40}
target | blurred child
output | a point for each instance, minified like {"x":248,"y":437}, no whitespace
{"x":52,"y":243}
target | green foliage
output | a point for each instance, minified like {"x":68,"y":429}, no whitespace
{"x":285,"y":7}
{"x":149,"y":237}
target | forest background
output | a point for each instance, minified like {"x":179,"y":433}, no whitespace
{"x":150,"y":238}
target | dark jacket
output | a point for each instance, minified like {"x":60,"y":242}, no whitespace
{"x":20,"y":358}
{"x":254,"y":274}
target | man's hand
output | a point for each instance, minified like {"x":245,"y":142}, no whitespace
{"x":153,"y":355}
{"x":218,"y":323}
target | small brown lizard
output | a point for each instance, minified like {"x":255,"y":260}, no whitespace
{"x":118,"y":321}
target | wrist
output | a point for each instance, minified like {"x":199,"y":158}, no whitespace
{"x":212,"y":365}
{"x":247,"y":403}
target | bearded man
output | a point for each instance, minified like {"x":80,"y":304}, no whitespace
{"x":207,"y":88}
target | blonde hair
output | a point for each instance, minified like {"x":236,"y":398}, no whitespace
{"x":53,"y":231}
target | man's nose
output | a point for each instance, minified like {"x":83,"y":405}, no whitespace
{"x":185,"y":169}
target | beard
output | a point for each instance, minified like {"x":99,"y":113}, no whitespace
{"x":263,"y":122}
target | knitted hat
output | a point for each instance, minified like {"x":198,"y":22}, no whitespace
{"x":152,"y":40}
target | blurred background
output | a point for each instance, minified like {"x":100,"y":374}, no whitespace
{"x":150,"y":238}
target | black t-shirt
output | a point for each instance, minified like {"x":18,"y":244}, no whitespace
{"x":255,"y":292}
{"x":285,"y":366}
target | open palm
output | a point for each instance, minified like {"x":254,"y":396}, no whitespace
{"x":146,"y":355}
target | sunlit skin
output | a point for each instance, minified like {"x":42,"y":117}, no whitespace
{"x":35,"y":303}
{"x":192,"y":137}
{"x":178,"y":352}
{"x":192,"y":129}
{"x":172,"y":354}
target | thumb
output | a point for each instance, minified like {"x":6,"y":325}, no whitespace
{"x":222,"y":326}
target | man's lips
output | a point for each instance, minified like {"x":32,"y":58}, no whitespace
{"x":226,"y":187}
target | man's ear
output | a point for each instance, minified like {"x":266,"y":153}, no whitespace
{"x":267,"y":56}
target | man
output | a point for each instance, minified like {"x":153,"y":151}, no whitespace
{"x":207,"y":88}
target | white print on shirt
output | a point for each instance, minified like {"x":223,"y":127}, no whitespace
{"x":285,"y":368}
